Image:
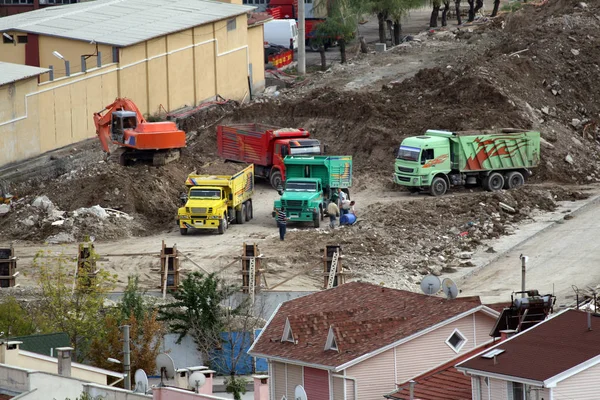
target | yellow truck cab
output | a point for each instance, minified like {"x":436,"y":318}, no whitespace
{"x":215,"y":201}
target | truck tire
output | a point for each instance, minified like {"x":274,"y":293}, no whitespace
{"x":493,"y":182}
{"x":239,"y":216}
{"x":313,"y":45}
{"x":316,"y":220}
{"x":244,"y":214}
{"x":275,"y":179}
{"x":183,"y":231}
{"x":322,"y":213}
{"x":513,"y":180}
{"x":438,"y":187}
{"x":249,"y":215}
{"x":222,"y":225}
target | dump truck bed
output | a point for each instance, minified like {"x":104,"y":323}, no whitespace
{"x":241,"y":185}
{"x":334,"y":171}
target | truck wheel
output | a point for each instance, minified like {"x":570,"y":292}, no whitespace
{"x":239,"y":217}
{"x":249,"y":215}
{"x":183,"y":231}
{"x":438,"y":186}
{"x":513,"y":180}
{"x":316,"y":220}
{"x":314,"y":46}
{"x":493,"y":182}
{"x":222,"y":226}
{"x":322,"y":213}
{"x":275,"y":179}
{"x":244,"y":214}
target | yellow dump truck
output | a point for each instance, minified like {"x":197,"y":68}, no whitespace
{"x":215,"y":201}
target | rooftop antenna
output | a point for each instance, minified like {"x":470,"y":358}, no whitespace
{"x":141,"y":381}
{"x":197,"y":380}
{"x":431,"y":284}
{"x":450,"y":288}
{"x":166,"y":366}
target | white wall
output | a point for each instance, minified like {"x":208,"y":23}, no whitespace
{"x":583,"y":386}
{"x":184,"y":354}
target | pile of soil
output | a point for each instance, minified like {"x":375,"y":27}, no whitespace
{"x":398,"y":244}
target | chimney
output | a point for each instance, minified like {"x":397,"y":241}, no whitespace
{"x":64,"y":360}
{"x":9,"y":352}
{"x":411,"y":385}
{"x":589,"y":321}
{"x":506,"y":333}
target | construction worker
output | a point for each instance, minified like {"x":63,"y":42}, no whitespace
{"x":352,"y":210}
{"x":281,"y":222}
{"x":333,"y":211}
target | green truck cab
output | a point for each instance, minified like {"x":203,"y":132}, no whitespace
{"x":310,"y":182}
{"x":493,"y":159}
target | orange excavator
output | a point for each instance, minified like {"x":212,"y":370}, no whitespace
{"x":122,"y":123}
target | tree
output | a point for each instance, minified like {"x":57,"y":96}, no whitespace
{"x":197,"y":310}
{"x":145,"y":332}
{"x":386,"y":9}
{"x":436,"y":9}
{"x":16,"y":320}
{"x":236,"y":386}
{"x":74,"y":303}
{"x":399,"y":9}
{"x":340,"y":26}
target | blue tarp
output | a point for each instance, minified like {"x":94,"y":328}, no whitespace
{"x":233,"y":344}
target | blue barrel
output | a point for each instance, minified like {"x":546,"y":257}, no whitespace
{"x":347,"y":219}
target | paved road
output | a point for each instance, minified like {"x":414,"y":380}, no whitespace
{"x":564,"y":255}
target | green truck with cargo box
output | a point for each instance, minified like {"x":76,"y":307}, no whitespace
{"x":493,"y":159}
{"x":310,"y":182}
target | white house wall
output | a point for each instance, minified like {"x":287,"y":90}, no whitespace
{"x":375,"y":376}
{"x":582,"y":386}
{"x":429,"y":351}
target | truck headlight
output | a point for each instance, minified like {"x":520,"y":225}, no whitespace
{"x":415,"y":180}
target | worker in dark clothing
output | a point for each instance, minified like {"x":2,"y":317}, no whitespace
{"x":281,"y":222}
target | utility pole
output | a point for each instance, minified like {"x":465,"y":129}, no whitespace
{"x":301,"y":39}
{"x":523,"y":273}
{"x":126,"y":358}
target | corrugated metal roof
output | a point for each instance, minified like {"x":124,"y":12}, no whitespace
{"x":10,"y":72}
{"x":121,"y":22}
{"x":42,"y":344}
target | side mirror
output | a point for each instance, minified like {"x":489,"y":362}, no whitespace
{"x":183,"y":198}
{"x":325,"y":149}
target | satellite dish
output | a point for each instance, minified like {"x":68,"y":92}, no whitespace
{"x":450,"y":288}
{"x":196,"y":380}
{"x":300,"y":393}
{"x":141,"y":381}
{"x":166,"y":366}
{"x":431,"y":284}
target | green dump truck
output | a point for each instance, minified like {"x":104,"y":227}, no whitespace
{"x":310,"y":181}
{"x":215,"y":201}
{"x":438,"y":159}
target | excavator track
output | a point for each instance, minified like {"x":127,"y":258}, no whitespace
{"x":164,"y":157}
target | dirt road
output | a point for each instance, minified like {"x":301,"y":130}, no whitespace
{"x":560,"y":257}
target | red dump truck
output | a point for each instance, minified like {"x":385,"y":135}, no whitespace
{"x":264,"y":146}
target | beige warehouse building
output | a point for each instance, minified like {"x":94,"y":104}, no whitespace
{"x":163,"y":55}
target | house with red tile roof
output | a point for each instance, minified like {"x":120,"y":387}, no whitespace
{"x":358,"y":340}
{"x":557,"y":359}
{"x":442,"y":383}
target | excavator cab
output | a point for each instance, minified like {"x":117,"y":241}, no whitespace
{"x":120,"y":121}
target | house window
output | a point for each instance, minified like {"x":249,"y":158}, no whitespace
{"x":516,"y":391}
{"x":22,"y":39}
{"x":8,"y":39}
{"x":231,"y":24}
{"x":330,"y":343}
{"x":287,"y":336}
{"x":456,"y":341}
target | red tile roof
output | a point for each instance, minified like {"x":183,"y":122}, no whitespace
{"x":364,"y":317}
{"x":499,"y":306}
{"x":443,"y":383}
{"x":546,"y":350}
{"x":258,"y":18}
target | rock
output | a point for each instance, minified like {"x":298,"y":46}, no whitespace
{"x":29,"y":221}
{"x":465,"y":255}
{"x":436,"y":270}
{"x":441,"y":258}
{"x":582,"y":5}
{"x":555,"y":92}
{"x":466,"y":264}
{"x":43,"y":203}
{"x":546,"y":110}
{"x":454,"y":230}
{"x":98,"y":211}
{"x":506,"y":207}
{"x":62,"y":237}
{"x":58,"y":223}
{"x":569,"y":159}
{"x":490,"y":250}
{"x":577,"y":141}
{"x":575,"y":52}
{"x":569,"y":216}
{"x":575,"y":123}
{"x":4,"y":209}
{"x":546,"y":144}
{"x":449,"y":270}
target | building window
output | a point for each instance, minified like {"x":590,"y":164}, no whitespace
{"x":330,"y":343}
{"x":517,"y":391}
{"x":9,"y":39}
{"x":22,"y":39}
{"x":231,"y":24}
{"x":288,"y":335}
{"x":456,"y":341}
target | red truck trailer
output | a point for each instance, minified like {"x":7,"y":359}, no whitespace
{"x":288,"y":9}
{"x":264,"y":146}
